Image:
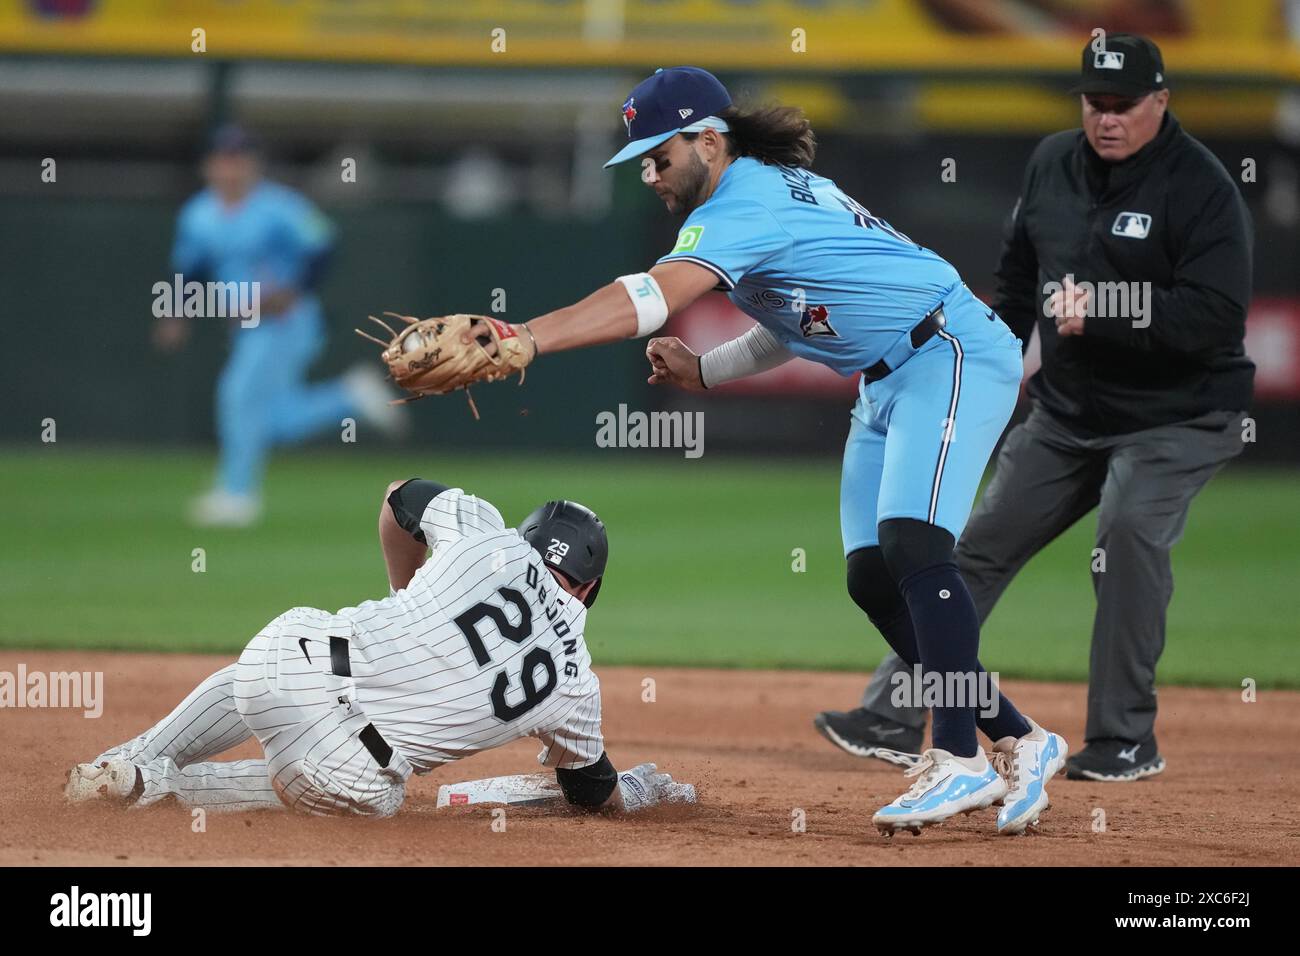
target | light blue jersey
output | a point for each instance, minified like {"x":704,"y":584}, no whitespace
{"x":273,"y":236}
{"x":843,"y":288}
{"x":834,"y":283}
{"x":276,"y":237}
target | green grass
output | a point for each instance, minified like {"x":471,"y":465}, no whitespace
{"x":95,"y":554}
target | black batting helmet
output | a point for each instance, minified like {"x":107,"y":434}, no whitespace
{"x":571,"y":539}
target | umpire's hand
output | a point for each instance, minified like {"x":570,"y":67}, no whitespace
{"x":1069,"y":307}
{"x":672,"y":363}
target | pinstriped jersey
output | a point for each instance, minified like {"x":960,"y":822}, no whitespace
{"x":481,"y":648}
{"x":834,"y":283}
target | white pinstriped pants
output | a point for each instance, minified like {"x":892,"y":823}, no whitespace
{"x":315,"y":761}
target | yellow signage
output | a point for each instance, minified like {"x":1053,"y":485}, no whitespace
{"x":1000,"y":37}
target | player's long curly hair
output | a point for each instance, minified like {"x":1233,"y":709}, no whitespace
{"x":770,"y":134}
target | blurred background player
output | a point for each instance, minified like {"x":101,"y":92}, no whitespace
{"x":244,"y":228}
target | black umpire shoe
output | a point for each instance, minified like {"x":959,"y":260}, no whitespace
{"x":864,"y":734}
{"x":1111,"y":760}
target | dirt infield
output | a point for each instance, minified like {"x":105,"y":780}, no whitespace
{"x":745,"y":738}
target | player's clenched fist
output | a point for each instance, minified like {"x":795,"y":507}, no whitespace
{"x":643,"y":787}
{"x":672,"y":363}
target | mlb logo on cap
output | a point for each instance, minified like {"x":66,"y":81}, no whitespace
{"x":1121,"y":64}
{"x":661,"y":107}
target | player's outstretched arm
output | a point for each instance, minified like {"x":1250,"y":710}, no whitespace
{"x":628,"y":307}
{"x":445,"y":353}
{"x":600,"y":787}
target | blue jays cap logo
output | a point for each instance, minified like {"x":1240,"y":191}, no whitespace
{"x":664,"y":104}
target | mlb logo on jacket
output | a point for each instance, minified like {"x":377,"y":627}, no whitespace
{"x":1131,"y":225}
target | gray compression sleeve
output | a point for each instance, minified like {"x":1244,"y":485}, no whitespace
{"x":756,"y":351}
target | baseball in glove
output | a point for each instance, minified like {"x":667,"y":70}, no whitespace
{"x":439,"y":355}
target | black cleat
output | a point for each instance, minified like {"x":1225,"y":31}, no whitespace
{"x":864,"y":734}
{"x":1111,"y":760}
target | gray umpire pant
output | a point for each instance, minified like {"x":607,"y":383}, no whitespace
{"x":1046,"y":479}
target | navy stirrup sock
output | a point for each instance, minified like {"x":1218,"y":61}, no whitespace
{"x":900,"y":635}
{"x":947,"y":637}
{"x":1007,"y":722}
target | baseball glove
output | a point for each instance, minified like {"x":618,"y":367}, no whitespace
{"x":439,"y":355}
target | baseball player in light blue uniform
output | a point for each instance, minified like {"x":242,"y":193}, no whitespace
{"x":828,"y":281}
{"x":245,"y":229}
{"x":836,"y":285}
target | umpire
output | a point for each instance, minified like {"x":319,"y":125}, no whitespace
{"x":1131,"y":248}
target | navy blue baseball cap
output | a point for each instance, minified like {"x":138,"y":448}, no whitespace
{"x":232,"y":139}
{"x":680,"y":99}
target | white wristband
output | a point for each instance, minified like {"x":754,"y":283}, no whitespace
{"x":648,"y":299}
{"x":756,"y":351}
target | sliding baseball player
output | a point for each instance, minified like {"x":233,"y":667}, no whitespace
{"x":480,"y":642}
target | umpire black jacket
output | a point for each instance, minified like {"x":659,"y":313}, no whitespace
{"x":1169,"y":215}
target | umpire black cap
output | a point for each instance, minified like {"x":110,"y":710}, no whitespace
{"x":1121,"y":63}
{"x":571,"y":539}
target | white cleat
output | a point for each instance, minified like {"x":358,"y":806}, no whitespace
{"x":221,"y":509}
{"x":107,"y":780}
{"x":947,"y":785}
{"x":1027,"y":763}
{"x":374,"y":400}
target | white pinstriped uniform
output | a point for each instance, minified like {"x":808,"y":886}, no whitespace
{"x":437,"y":668}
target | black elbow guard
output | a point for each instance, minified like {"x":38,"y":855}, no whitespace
{"x":590,"y":786}
{"x":409,"y":501}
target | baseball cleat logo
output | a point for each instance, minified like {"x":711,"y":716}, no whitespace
{"x":815,"y":320}
{"x":629,"y":114}
{"x":908,"y":803}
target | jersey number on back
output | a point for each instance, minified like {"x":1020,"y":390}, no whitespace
{"x":468,"y":622}
{"x":862,"y":217}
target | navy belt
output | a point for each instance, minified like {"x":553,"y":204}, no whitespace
{"x":921,"y":333}
{"x":341,"y":666}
